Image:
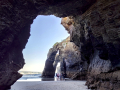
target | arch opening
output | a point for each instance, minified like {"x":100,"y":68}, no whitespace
{"x":58,"y":70}
{"x":45,"y":31}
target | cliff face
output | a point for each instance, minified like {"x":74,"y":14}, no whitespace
{"x":11,"y":59}
{"x":97,"y":34}
{"x":70,"y":53}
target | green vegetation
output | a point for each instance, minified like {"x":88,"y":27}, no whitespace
{"x":56,"y":43}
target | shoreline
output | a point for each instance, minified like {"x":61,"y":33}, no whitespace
{"x":49,"y":85}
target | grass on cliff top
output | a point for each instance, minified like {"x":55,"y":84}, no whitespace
{"x":55,"y":44}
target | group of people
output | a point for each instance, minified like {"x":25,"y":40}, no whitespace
{"x":60,"y":76}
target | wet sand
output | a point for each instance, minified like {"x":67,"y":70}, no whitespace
{"x":49,"y":85}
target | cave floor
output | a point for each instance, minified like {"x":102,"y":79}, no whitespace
{"x":49,"y":85}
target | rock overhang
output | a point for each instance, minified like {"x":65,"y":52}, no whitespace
{"x":16,"y":17}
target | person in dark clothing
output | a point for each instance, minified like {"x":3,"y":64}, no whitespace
{"x":63,"y":78}
{"x":58,"y":76}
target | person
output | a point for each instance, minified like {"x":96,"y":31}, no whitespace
{"x":57,"y":76}
{"x":60,"y":76}
{"x":63,"y":76}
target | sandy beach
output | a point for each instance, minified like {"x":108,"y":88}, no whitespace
{"x":49,"y":85}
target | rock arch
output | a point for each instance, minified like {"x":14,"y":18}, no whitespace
{"x":15,"y":19}
{"x":69,"y":58}
{"x":95,"y":29}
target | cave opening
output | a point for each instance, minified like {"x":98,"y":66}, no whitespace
{"x":44,"y":33}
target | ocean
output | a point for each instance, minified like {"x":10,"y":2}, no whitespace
{"x":35,"y":77}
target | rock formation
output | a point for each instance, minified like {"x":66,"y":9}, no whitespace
{"x":97,"y":34}
{"x":69,"y":52}
{"x":15,"y":19}
{"x":12,"y":58}
{"x":49,"y":70}
{"x":94,"y":28}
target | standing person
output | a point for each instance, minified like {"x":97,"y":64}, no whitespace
{"x":63,"y":76}
{"x":57,"y":76}
{"x":60,"y":76}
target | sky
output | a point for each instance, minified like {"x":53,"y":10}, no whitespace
{"x":45,"y":31}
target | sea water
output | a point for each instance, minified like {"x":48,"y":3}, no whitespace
{"x":35,"y":77}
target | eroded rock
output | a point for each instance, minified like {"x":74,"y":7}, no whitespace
{"x":70,"y":61}
{"x":70,"y":53}
{"x":49,"y":70}
{"x":17,"y":15}
{"x":96,"y":33}
{"x":94,"y":27}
